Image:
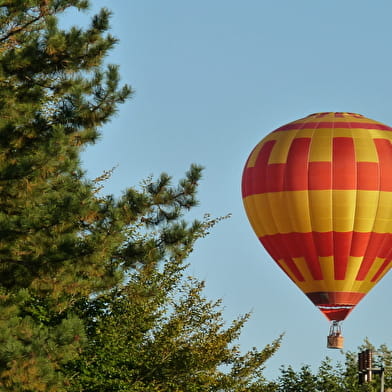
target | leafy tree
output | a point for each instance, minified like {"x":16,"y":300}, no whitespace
{"x":158,"y":334}
{"x":66,"y":250}
{"x":291,"y":381}
{"x":382,"y":358}
{"x":329,"y":377}
{"x":339,"y":377}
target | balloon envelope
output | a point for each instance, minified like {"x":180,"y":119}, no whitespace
{"x":318,"y":194}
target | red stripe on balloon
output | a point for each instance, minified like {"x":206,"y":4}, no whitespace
{"x":311,"y":256}
{"x":335,"y":305}
{"x":368,"y":176}
{"x":271,"y":246}
{"x":320,"y":176}
{"x":253,"y":180}
{"x":292,"y":245}
{"x":342,"y":247}
{"x":313,"y":245}
{"x":384,"y":150}
{"x":343,"y":163}
{"x":274,"y":180}
{"x":385,"y":251}
{"x":330,"y":124}
{"x":333,"y":314}
{"x":359,"y":243}
{"x":335,"y":298}
{"x":384,"y":265}
{"x":296,"y":173}
{"x":278,"y":252}
{"x":301,"y":245}
{"x":378,"y":243}
{"x":324,"y":243}
{"x":264,"y":154}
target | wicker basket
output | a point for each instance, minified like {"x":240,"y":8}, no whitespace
{"x":335,"y":341}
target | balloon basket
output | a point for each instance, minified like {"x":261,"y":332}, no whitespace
{"x":335,"y":338}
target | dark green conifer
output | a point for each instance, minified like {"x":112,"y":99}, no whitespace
{"x":66,"y":251}
{"x":59,"y":240}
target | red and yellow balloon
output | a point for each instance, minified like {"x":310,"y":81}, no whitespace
{"x":318,"y":194}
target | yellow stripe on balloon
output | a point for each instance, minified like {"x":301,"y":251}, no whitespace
{"x":384,"y":272}
{"x":367,"y":284}
{"x":353,"y":266}
{"x":260,"y":214}
{"x":301,"y":264}
{"x":288,"y":271}
{"x":383,"y":222}
{"x":349,"y":284}
{"x":374,"y":268}
{"x":343,"y":210}
{"x":253,"y":156}
{"x":361,"y":211}
{"x":365,"y":149}
{"x":332,"y":116}
{"x":320,"y":203}
{"x":281,"y":148}
{"x":296,"y":210}
{"x":327,"y":267}
{"x":366,"y":206}
{"x":321,"y":147}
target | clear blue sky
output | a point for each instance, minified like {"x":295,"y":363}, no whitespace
{"x":211,"y":79}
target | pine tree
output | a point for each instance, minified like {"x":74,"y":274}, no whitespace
{"x":70,"y":258}
{"x":54,"y":97}
{"x":61,"y":241}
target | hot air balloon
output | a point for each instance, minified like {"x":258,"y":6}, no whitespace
{"x":318,"y":194}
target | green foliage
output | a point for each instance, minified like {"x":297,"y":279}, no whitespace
{"x":67,"y":319}
{"x":32,"y":350}
{"x":291,"y":381}
{"x":337,"y":377}
{"x":158,"y":334}
{"x":54,"y":97}
{"x":56,"y":235}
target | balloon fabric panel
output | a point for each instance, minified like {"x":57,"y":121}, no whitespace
{"x":318,"y":194}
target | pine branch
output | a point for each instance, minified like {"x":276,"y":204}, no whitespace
{"x":18,"y":29}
